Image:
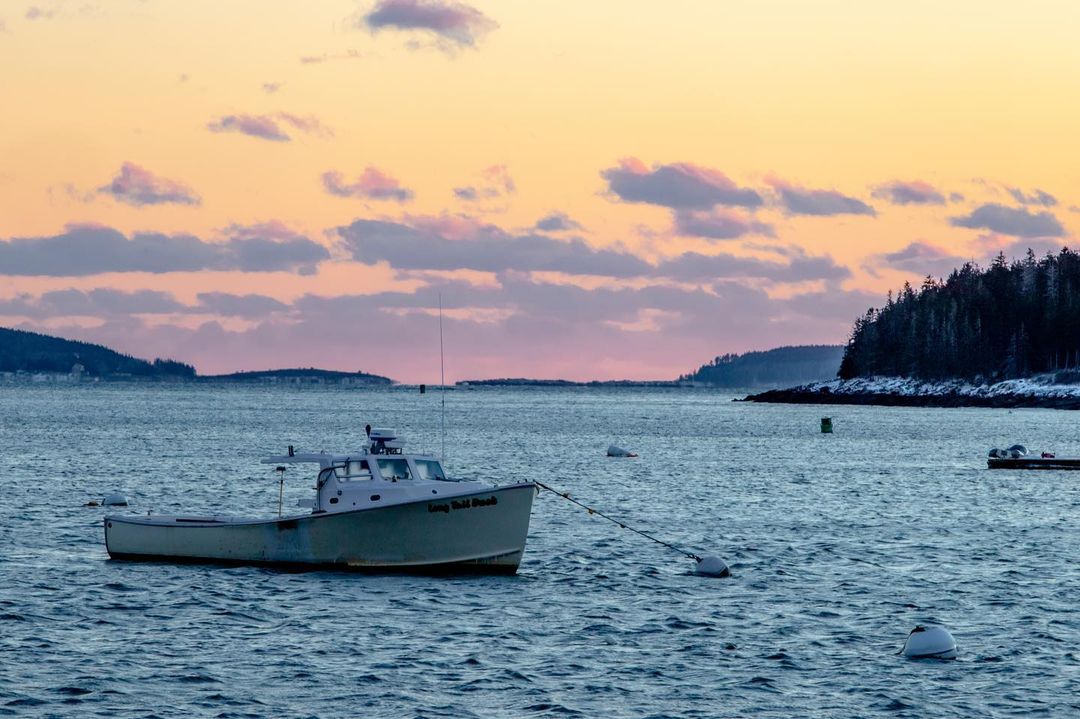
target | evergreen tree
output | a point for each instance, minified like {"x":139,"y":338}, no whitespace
{"x":1008,"y":320}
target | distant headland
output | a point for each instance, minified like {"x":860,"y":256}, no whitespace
{"x":32,"y":357}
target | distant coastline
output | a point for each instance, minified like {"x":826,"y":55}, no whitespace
{"x":1049,"y":391}
{"x":301,"y":376}
{"x":525,"y":382}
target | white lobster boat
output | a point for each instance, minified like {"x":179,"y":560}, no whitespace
{"x":378,"y":509}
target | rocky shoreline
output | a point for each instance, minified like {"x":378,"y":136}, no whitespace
{"x":1039,"y":392}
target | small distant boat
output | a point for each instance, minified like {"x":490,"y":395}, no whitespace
{"x":375,"y":509}
{"x":1018,"y":457}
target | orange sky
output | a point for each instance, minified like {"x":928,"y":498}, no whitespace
{"x":258,"y":184}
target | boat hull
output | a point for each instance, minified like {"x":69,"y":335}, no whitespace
{"x":478,"y":532}
{"x":1033,"y":463}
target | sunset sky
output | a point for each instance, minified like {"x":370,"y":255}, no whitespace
{"x":595,"y":189}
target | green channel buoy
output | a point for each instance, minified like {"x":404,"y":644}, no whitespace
{"x":826,"y":425}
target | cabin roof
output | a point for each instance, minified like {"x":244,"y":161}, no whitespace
{"x":328,"y":458}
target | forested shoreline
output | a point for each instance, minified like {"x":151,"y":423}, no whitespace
{"x":1002,"y":322}
{"x":22,"y":351}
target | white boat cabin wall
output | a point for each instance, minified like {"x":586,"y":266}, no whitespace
{"x":380,"y":474}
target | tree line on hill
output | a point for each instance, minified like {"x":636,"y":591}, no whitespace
{"x":1007,"y":321}
{"x":22,"y":351}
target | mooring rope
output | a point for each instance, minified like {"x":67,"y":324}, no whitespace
{"x":623,"y":525}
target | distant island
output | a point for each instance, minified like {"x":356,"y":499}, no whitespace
{"x":1004,"y":336}
{"x":525,"y":382}
{"x":302,"y":376}
{"x":770,"y":368}
{"x":30,"y":357}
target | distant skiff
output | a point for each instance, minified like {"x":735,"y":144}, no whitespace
{"x":378,"y":509}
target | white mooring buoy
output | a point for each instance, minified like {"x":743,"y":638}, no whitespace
{"x":114,"y":500}
{"x":712,"y":566}
{"x":930,"y":643}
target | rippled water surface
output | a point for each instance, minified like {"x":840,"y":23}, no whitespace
{"x":839,"y":545}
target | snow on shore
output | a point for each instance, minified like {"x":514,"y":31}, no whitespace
{"x":1040,"y":386}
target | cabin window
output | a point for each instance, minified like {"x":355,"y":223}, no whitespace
{"x":394,"y":469}
{"x":429,"y":469}
{"x":356,"y":470}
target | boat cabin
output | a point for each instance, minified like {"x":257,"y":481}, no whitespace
{"x":380,"y":474}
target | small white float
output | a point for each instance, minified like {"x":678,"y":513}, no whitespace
{"x":931,"y":642}
{"x":712,"y":566}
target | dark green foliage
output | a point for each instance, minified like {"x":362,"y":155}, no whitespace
{"x":1003,"y":322}
{"x":780,"y":366}
{"x":33,"y":352}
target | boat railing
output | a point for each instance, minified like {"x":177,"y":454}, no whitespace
{"x":329,"y":470}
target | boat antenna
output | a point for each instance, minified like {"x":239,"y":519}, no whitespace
{"x":442,"y":385}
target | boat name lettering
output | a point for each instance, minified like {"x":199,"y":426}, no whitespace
{"x":463,"y":504}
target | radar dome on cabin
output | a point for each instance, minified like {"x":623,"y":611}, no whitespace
{"x":384,"y":441}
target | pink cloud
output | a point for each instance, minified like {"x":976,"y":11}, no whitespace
{"x":447,"y":242}
{"x":921,"y":258}
{"x":319,"y":59}
{"x":719,"y":225}
{"x":268,"y":127}
{"x":261,"y":126}
{"x":36,"y":13}
{"x":557,"y":222}
{"x":271,"y":229}
{"x":373,"y":184}
{"x":912,"y":192}
{"x":679,"y":185}
{"x":1015,"y":221}
{"x":451,"y":227}
{"x":495,"y":182}
{"x":310,"y":124}
{"x":456,"y":23}
{"x":84,"y":250}
{"x":137,"y":186}
{"x":799,"y":200}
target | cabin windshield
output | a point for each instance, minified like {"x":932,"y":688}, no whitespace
{"x":394,"y":469}
{"x":429,"y":469}
{"x":354,"y":470}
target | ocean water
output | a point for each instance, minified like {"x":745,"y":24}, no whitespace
{"x":839,"y":545}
